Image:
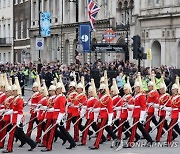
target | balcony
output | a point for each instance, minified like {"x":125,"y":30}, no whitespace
{"x":5,"y":42}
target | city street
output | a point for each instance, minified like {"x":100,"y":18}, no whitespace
{"x":104,"y":148}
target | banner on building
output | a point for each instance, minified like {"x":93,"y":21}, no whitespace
{"x":85,"y":37}
{"x":45,"y":24}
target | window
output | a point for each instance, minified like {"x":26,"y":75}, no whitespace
{"x":157,"y":1}
{"x":9,"y":31}
{"x":4,"y":30}
{"x":21,"y":29}
{"x":34,"y":10}
{"x":16,"y":28}
{"x":4,"y":57}
{"x":16,"y":2}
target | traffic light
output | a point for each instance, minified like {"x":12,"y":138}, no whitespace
{"x":136,"y":45}
{"x":141,"y":54}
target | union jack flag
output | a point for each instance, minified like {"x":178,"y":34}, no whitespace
{"x":93,"y":10}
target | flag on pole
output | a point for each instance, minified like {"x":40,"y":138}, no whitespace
{"x":93,"y":10}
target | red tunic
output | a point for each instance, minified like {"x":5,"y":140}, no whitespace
{"x":79,"y":100}
{"x":71,"y":97}
{"x":117,"y":102}
{"x":106,"y":106}
{"x":43,"y":102}
{"x":17,"y":108}
{"x":175,"y":104}
{"x":59,"y":105}
{"x":164,"y":99}
{"x":8,"y":104}
{"x":50,"y":104}
{"x":152,"y":98}
{"x":139,"y":104}
{"x":36,"y":97}
{"x":92,"y":103}
{"x":2,"y":98}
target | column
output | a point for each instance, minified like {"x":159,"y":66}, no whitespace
{"x":101,"y":12}
{"x":42,"y":5}
{"x":60,"y":10}
{"x":80,"y":10}
{"x":64,"y":12}
{"x":72,"y":12}
{"x":32,"y":8}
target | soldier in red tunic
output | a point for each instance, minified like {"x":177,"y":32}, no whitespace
{"x":8,"y":107}
{"x":175,"y":114}
{"x":152,"y":100}
{"x":36,"y":97}
{"x":58,"y":114}
{"x":106,"y":115}
{"x":139,"y":113}
{"x":70,"y":101}
{"x":164,"y":101}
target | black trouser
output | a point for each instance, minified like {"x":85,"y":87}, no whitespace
{"x":166,"y":126}
{"x":66,"y":135}
{"x":23,"y":138}
{"x":144,"y":133}
{"x":60,"y":134}
{"x":127,"y":126}
{"x":177,"y":129}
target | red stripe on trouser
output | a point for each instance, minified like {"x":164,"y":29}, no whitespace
{"x":11,"y":140}
{"x":68,"y":123}
{"x":148,"y":123}
{"x":160,"y":129}
{"x":51,"y":137}
{"x":46,"y":136}
{"x":100,"y":133}
{"x":3,"y":133}
{"x":169,"y":137}
{"x":39,"y":132}
{"x":76,"y":131}
{"x":30,"y":126}
{"x":120,"y":128}
{"x":85,"y":134}
{"x":133,"y":132}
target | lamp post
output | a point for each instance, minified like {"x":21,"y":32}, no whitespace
{"x":39,"y":24}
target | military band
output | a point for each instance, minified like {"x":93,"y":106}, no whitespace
{"x":91,"y":113}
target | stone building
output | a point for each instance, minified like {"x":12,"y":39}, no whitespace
{"x":6,"y":31}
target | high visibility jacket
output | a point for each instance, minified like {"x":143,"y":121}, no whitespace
{"x":26,"y":72}
{"x":33,"y":74}
{"x":123,"y":78}
{"x":145,"y":84}
{"x":11,"y":73}
{"x":158,"y":81}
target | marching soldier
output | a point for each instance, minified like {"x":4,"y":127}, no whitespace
{"x":49,"y":113}
{"x":152,"y":100}
{"x":92,"y":112}
{"x":35,"y":98}
{"x":164,"y":101}
{"x":175,"y":114}
{"x":70,"y":101}
{"x":17,"y":118}
{"x":139,"y":113}
{"x":58,"y":114}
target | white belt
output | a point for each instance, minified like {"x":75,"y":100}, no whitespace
{"x":124,"y":108}
{"x":76,"y":106}
{"x":137,"y":106}
{"x":175,"y":109}
{"x":56,"y":109}
{"x":33,"y":104}
{"x":15,"y":111}
{"x":150,"y":104}
{"x":103,"y":108}
{"x":2,"y":106}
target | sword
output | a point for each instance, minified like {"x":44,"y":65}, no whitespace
{"x":157,"y":125}
{"x":88,"y":126}
{"x":131,"y":126}
{"x":5,"y":127}
{"x":35,"y":127}
{"x":171,"y":128}
{"x":120,"y":125}
{"x":77,"y":121}
{"x":8,"y":132}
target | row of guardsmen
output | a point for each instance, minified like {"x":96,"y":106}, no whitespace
{"x":54,"y":113}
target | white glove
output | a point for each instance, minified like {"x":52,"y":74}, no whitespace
{"x":168,"y":116}
{"x":156,"y":105}
{"x":51,"y":109}
{"x":110,"y":117}
{"x":59,"y":118}
{"x":82,"y":112}
{"x":118,"y":114}
{"x":156,"y":111}
{"x":130,"y":113}
{"x":44,"y":107}
{"x":19,"y":119}
{"x":169,"y":109}
{"x":44,"y":120}
{"x":2,"y":110}
{"x":36,"y":110}
{"x":117,"y":108}
{"x":29,"y":104}
{"x":179,"y":117}
{"x":8,"y":112}
{"x":142,"y":117}
{"x":96,"y":114}
{"x":130,"y":106}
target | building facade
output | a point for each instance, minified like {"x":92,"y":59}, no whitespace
{"x":6,"y":31}
{"x":158,"y":24}
{"x":22,"y":21}
{"x":62,"y":43}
